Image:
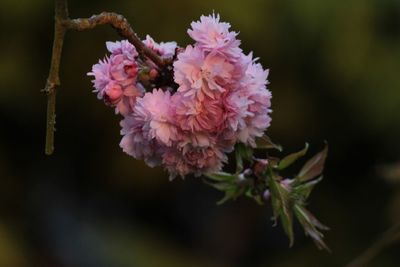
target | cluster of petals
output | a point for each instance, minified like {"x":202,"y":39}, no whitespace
{"x":221,"y":99}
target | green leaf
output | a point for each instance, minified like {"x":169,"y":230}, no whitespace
{"x":265,"y":142}
{"x":288,"y":160}
{"x":257,"y":198}
{"x":223,"y":186}
{"x":239,"y":161}
{"x":245,"y":151}
{"x":232,"y":193}
{"x":304,"y":189}
{"x":314,"y":166}
{"x":280,"y":205}
{"x":242,"y":152}
{"x":220,"y":176}
{"x":311,"y":226}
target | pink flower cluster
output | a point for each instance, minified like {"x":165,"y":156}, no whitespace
{"x":221,"y":99}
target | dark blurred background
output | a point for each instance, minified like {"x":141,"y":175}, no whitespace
{"x":334,"y":73}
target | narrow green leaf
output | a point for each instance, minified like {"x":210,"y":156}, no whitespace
{"x":231,"y":194}
{"x":265,"y":142}
{"x":257,"y":198}
{"x":288,"y":160}
{"x":242,"y":153}
{"x":239,"y":161}
{"x":221,"y":186}
{"x":280,"y":204}
{"x":314,"y":166}
{"x":245,"y":151}
{"x":304,"y":189}
{"x":220,"y":176}
{"x":310,"y":225}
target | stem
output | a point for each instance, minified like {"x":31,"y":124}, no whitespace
{"x":53,"y":80}
{"x":61,"y":25}
{"x":391,"y":236}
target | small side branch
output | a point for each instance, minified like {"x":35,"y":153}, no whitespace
{"x":121,"y":25}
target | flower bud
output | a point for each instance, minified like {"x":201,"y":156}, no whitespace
{"x":131,"y":70}
{"x":266,"y":195}
{"x":112,"y":93}
{"x":286,"y":183}
{"x":153,"y":74}
{"x":260,"y":166}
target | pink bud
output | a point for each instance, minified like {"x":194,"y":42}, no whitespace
{"x":286,"y":183}
{"x":113,"y":93}
{"x":260,"y":166}
{"x":131,"y":70}
{"x":153,"y":74}
{"x":266,"y":195}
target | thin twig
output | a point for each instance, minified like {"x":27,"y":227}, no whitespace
{"x":121,"y":25}
{"x":62,"y":24}
{"x":53,"y":80}
{"x":391,"y":236}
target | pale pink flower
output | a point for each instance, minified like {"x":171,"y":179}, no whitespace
{"x":101,"y":73}
{"x":155,"y":113}
{"x":149,"y":129}
{"x":136,"y":144}
{"x":196,"y":160}
{"x":165,"y":50}
{"x":123,"y":70}
{"x":201,"y":116}
{"x":254,"y":88}
{"x":222,"y":99}
{"x":211,"y":34}
{"x":198,"y":74}
{"x":115,"y":77}
{"x":123,"y":47}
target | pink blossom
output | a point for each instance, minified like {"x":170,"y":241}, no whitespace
{"x":221,"y":99}
{"x":254,"y":88}
{"x":199,"y":74}
{"x":136,"y":144}
{"x":155,"y":113}
{"x":124,"y":48}
{"x":123,"y":70}
{"x":101,"y":73}
{"x":149,"y":129}
{"x":165,"y":50}
{"x":211,"y":34}
{"x":196,"y":160}
{"x":195,"y":115}
{"x":115,"y":77}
